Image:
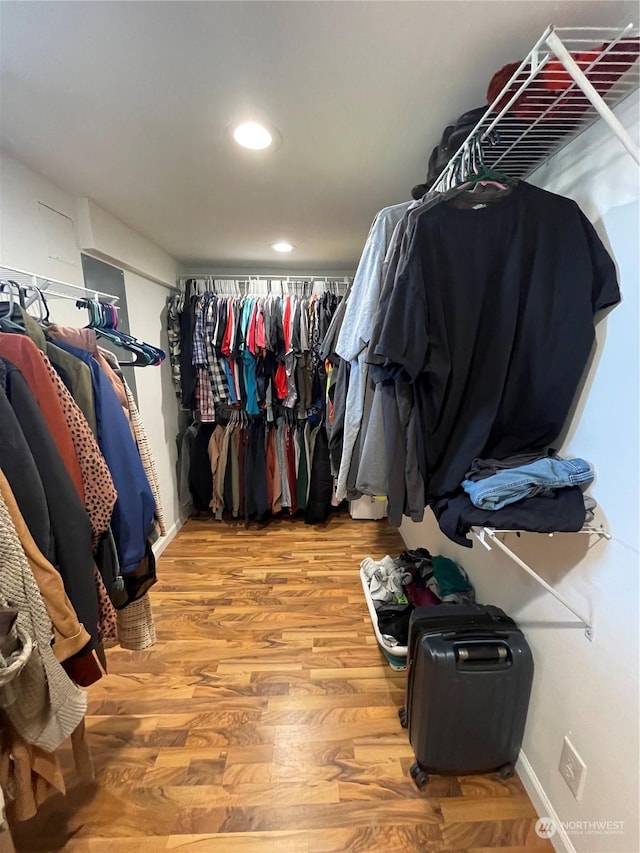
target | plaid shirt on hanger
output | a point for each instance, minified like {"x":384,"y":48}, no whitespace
{"x":204,"y":391}
{"x":204,"y":396}
{"x":217,"y":373}
{"x":199,"y":356}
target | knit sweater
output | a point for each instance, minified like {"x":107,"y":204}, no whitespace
{"x":41,"y":701}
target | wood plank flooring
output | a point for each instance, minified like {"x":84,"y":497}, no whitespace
{"x":265,"y":718}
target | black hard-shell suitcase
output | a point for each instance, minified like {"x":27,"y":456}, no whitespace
{"x":469,"y":673}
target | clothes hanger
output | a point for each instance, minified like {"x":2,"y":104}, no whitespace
{"x":38,"y":304}
{"x":20,"y":291}
{"x":43,"y":307}
{"x":7,"y":322}
{"x":103,"y":319}
{"x":9,"y":286}
{"x":477,"y":173}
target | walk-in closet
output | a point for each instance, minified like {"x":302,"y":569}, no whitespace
{"x":319,"y":439}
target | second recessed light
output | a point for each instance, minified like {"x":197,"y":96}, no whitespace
{"x":282,"y":246}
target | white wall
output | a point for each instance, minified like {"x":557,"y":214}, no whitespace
{"x":23,"y":238}
{"x":106,"y":237}
{"x":586,"y":689}
{"x":24,"y":245}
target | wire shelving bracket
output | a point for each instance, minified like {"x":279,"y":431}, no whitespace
{"x":570,"y":78}
{"x":488,"y":536}
{"x":53,"y":287}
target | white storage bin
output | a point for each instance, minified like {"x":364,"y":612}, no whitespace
{"x":369,"y":508}
{"x":396,"y":655}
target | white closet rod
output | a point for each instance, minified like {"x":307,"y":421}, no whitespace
{"x":265,"y":284}
{"x":327,"y":279}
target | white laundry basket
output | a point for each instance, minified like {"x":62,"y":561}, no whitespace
{"x":396,"y":655}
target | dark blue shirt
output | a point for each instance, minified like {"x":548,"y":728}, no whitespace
{"x":135,"y":507}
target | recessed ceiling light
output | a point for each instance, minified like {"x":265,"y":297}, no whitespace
{"x":282,"y":246}
{"x":252,"y":135}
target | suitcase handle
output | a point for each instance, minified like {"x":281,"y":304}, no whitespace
{"x":474,"y":631}
{"x":470,"y":655}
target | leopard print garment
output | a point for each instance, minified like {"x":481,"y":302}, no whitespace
{"x":107,"y":618}
{"x":99,"y":491}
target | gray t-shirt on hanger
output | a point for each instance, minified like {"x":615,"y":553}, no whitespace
{"x":375,"y":475}
{"x":357,"y":325}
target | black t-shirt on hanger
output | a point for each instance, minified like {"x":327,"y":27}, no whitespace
{"x":492,"y":317}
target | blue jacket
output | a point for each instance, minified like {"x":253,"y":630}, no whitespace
{"x":135,"y":507}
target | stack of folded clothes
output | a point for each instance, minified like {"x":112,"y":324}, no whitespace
{"x":414,"y":579}
{"x":539,"y":492}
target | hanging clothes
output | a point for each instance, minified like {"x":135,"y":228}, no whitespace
{"x":140,"y":437}
{"x":75,"y":556}
{"x":260,"y":377}
{"x":69,"y":635}
{"x":70,"y":527}
{"x":356,"y":326}
{"x":23,"y":353}
{"x":134,"y":510}
{"x":58,"y":416}
{"x":40,"y":700}
{"x":74,"y":373}
{"x":467,"y":343}
{"x":537,"y":261}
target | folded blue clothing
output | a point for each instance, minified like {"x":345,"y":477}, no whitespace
{"x":514,"y":484}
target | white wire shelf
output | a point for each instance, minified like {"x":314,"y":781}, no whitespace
{"x":489,"y":536}
{"x":569,"y":79}
{"x":53,"y":287}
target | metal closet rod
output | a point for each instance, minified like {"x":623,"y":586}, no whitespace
{"x":278,"y":285}
{"x":340,"y":279}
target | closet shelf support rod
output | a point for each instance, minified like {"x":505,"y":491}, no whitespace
{"x":29,"y":279}
{"x":592,"y":94}
{"x":488,"y":532}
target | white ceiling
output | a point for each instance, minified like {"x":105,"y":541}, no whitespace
{"x":126,"y":102}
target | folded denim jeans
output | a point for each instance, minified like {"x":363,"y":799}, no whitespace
{"x":514,"y":484}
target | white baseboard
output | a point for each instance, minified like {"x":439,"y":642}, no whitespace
{"x":542,"y":804}
{"x":159,"y":546}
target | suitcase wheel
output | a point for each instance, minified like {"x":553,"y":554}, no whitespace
{"x":404,"y":720}
{"x":419,"y":776}
{"x":507,"y":771}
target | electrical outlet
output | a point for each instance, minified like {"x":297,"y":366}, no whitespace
{"x":572,"y":769}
